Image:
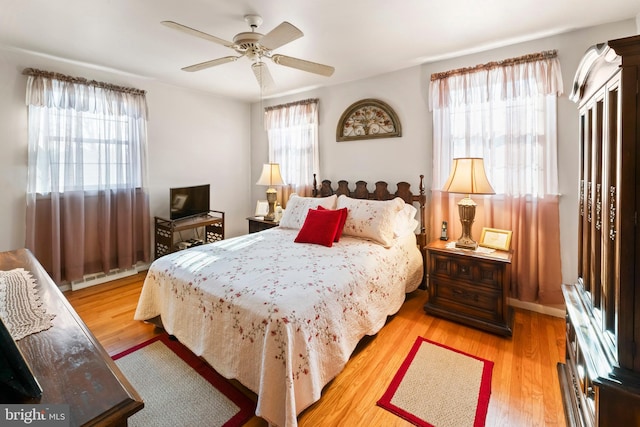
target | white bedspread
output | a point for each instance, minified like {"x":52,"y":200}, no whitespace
{"x":280,"y":317}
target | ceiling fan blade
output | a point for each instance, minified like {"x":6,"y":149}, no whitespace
{"x":212,"y":63}
{"x":197,"y":33}
{"x":262,"y":75}
{"x":301,"y":64}
{"x":281,"y":35}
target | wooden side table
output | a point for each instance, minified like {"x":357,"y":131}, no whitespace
{"x":258,"y":224}
{"x":470,"y":287}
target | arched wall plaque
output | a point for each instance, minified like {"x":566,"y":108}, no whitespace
{"x":368,"y":119}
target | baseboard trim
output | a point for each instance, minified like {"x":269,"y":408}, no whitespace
{"x":99,"y":278}
{"x":538,"y":308}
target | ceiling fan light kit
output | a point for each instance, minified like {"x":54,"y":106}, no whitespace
{"x":256,"y":47}
{"x":262,"y":74}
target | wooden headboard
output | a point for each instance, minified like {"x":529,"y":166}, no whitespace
{"x":381,"y":192}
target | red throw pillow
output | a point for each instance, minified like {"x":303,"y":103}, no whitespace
{"x":343,"y":219}
{"x":319,"y":227}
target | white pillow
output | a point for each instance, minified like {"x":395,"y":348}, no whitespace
{"x":406,"y":222}
{"x":298,"y":207}
{"x":371,"y":219}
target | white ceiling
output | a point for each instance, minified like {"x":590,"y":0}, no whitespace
{"x":360,"y":38}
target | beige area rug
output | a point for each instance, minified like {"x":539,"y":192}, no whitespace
{"x":440,"y":386}
{"x":180,"y":389}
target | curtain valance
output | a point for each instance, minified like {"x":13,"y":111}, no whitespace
{"x":54,"y":90}
{"x":529,"y":75}
{"x":291,"y":114}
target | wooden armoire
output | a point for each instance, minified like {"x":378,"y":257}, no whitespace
{"x":600,"y":380}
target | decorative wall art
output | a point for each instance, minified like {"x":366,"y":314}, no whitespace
{"x":368,"y":119}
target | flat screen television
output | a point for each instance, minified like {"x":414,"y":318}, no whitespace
{"x":189,"y":201}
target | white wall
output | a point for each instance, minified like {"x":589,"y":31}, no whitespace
{"x":193,"y":138}
{"x":404,"y":158}
{"x":389,"y":159}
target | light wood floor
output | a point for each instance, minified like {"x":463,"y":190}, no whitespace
{"x":525,"y":389}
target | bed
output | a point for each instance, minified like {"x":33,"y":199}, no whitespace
{"x":282,"y":315}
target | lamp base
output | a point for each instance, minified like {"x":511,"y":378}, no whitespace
{"x":272,"y":197}
{"x":467,"y":211}
{"x":465,"y":243}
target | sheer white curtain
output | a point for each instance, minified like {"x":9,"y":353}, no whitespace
{"x":505,"y":113}
{"x":292,"y":130}
{"x":87,"y":203}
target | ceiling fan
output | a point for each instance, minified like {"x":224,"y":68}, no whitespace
{"x":256,"y":47}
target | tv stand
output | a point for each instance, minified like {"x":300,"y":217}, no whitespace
{"x":168,"y":238}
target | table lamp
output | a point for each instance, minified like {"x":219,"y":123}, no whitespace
{"x":271,"y":177}
{"x":467,"y":177}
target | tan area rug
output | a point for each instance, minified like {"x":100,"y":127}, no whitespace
{"x":439,"y":386}
{"x":180,"y":389}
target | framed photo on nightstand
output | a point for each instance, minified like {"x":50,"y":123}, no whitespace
{"x":495,"y":238}
{"x":262,"y":208}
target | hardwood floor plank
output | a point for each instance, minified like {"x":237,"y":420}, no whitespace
{"x":525,"y":389}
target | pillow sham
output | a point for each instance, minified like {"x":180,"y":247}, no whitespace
{"x":371,"y":219}
{"x":298,"y":207}
{"x":406,"y":222}
{"x":343,"y":219}
{"x":320,"y":227}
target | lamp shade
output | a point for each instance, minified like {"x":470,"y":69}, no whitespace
{"x":468,"y":177}
{"x":270,"y":175}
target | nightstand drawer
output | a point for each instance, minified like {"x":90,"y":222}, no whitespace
{"x":457,"y":268}
{"x":489,"y":274}
{"x":460,"y":295}
{"x":441,"y":265}
{"x":461,"y":269}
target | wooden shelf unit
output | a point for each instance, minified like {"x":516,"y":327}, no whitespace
{"x":166,"y":231}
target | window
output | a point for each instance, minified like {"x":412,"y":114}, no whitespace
{"x":512,"y":137}
{"x":87,"y":205}
{"x":85,"y":137}
{"x":88,"y":162}
{"x":505,"y":114}
{"x":292,"y":130}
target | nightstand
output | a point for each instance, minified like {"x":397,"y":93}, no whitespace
{"x":470,"y":287}
{"x":258,"y":224}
